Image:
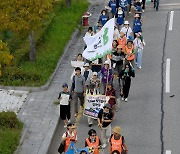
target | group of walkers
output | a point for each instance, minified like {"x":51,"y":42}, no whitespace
{"x":110,"y":76}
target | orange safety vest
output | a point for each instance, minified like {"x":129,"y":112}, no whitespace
{"x":94,"y":145}
{"x":116,"y":144}
{"x":122,"y":42}
{"x":68,"y":141}
{"x":129,"y":51}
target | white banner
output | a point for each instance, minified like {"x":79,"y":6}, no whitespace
{"x":100,"y":44}
{"x":93,"y":104}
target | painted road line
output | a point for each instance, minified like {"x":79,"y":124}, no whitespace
{"x":168,"y":151}
{"x":170,"y":4}
{"x":171,"y":20}
{"x":168,"y":75}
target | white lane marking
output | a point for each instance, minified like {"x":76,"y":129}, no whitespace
{"x":168,"y":151}
{"x":170,"y":4}
{"x":171,"y":20}
{"x":168,"y":75}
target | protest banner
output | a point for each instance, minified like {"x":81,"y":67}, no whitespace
{"x":100,"y":44}
{"x":93,"y":104}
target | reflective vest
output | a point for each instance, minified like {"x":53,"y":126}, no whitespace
{"x":94,"y":145}
{"x":116,"y":144}
{"x":68,"y":141}
{"x":122,"y":42}
{"x":129,"y":51}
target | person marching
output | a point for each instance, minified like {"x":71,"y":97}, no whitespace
{"x":93,"y":142}
{"x":122,"y":40}
{"x":130,"y":52}
{"x":105,"y":117}
{"x":126,"y":75}
{"x":117,"y":142}
{"x":127,"y":29}
{"x":106,"y":74}
{"x":103,"y":18}
{"x":139,"y":43}
{"x":65,"y":98}
{"x":69,"y":136}
{"x":137,"y":24}
{"x":77,"y":89}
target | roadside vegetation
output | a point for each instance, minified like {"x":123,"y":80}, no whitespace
{"x":10,"y":132}
{"x":50,"y":40}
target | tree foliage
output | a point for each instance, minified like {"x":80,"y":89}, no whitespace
{"x":23,"y":16}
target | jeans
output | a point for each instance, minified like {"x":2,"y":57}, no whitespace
{"x":138,"y":56}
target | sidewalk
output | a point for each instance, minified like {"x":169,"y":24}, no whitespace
{"x":39,"y":113}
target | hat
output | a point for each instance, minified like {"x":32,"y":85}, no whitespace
{"x":119,"y":46}
{"x":107,"y":105}
{"x":65,"y":85}
{"x":126,"y":23}
{"x":117,"y":130}
{"x":70,"y":125}
{"x":136,"y":16}
{"x":138,"y":34}
{"x":106,"y":62}
{"x":86,"y":65}
{"x":95,"y":73}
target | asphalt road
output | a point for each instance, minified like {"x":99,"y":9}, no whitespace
{"x":150,"y":120}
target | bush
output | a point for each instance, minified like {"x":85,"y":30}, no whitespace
{"x":9,"y":120}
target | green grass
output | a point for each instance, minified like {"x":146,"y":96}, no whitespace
{"x":10,"y":132}
{"x":50,"y":46}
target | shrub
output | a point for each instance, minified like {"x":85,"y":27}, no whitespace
{"x":9,"y":120}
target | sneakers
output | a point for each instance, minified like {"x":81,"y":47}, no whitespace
{"x":104,"y":146}
{"x":69,"y":121}
{"x":122,"y":98}
{"x":65,"y":126}
{"x":126,"y":100}
{"x":139,"y":67}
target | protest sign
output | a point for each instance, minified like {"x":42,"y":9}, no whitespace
{"x":93,"y":104}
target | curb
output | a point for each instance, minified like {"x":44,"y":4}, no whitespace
{"x":46,"y":86}
{"x":24,"y":134}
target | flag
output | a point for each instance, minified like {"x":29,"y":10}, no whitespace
{"x":100,"y":44}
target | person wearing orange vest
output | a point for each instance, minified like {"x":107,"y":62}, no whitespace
{"x":117,"y":142}
{"x":122,"y":40}
{"x":130,"y":52}
{"x":69,"y":136}
{"x":93,"y":142}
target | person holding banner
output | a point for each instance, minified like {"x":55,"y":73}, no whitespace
{"x":105,"y":117}
{"x":93,"y":142}
{"x":106,"y":74}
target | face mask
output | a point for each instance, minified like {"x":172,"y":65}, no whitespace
{"x":104,"y":14}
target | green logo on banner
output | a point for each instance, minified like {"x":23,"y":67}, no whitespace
{"x":105,"y":36}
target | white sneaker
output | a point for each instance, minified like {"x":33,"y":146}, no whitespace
{"x":126,"y":100}
{"x":104,"y":146}
{"x":65,"y":126}
{"x":69,"y":120}
{"x":139,"y":67}
{"x":122,"y":98}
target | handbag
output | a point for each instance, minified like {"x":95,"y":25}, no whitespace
{"x":62,"y":146}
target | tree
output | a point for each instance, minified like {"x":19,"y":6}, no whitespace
{"x":24,"y":17}
{"x":68,"y":2}
{"x":5,"y":56}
